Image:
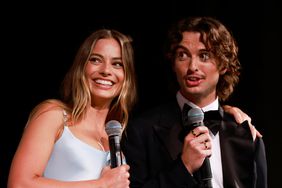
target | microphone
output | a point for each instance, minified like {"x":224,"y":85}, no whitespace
{"x":113,"y":130}
{"x":196,"y":118}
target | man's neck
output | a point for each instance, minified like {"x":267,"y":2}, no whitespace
{"x":206,"y":105}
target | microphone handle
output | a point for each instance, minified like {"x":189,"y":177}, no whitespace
{"x":205,"y":170}
{"x":206,"y":174}
{"x":115,"y":152}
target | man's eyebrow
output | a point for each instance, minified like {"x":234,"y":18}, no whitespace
{"x":180,"y":47}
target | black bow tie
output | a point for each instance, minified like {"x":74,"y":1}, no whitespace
{"x":212,"y":119}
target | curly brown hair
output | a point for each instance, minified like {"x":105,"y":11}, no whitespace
{"x":219,"y":41}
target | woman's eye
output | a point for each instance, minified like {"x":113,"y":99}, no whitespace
{"x":118,"y":64}
{"x":94,"y":60}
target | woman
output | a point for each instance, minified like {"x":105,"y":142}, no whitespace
{"x":64,"y":143}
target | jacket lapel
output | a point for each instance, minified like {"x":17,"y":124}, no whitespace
{"x":169,"y":128}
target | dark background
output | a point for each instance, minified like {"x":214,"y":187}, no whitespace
{"x":39,"y":41}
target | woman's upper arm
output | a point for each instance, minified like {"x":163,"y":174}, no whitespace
{"x":36,"y":144}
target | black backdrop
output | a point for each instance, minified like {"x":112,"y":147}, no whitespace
{"x":39,"y":41}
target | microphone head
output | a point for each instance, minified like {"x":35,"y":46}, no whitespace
{"x":195,"y":115}
{"x":113,"y":128}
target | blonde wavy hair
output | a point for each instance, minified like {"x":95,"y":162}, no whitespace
{"x":75,"y":89}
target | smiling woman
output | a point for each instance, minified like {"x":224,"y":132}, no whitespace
{"x":105,"y":69}
{"x":100,"y":86}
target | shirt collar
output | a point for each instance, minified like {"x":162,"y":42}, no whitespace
{"x":181,"y":100}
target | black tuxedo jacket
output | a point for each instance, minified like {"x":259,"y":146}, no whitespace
{"x":152,"y":148}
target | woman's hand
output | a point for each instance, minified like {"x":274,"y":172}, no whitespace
{"x":240,"y":117}
{"x":115,"y":177}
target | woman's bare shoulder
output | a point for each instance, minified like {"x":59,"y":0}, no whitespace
{"x":48,"y":113}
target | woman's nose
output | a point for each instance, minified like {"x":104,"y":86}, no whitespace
{"x":105,"y":69}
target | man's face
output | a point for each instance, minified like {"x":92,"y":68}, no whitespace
{"x":196,"y":69}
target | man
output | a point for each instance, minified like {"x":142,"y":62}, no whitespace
{"x":204,"y":57}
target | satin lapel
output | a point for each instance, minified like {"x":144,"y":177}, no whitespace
{"x":237,"y":154}
{"x":168,"y":130}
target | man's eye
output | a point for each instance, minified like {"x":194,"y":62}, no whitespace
{"x":181,"y":55}
{"x":204,"y":56}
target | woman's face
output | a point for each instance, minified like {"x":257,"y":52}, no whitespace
{"x":105,"y":70}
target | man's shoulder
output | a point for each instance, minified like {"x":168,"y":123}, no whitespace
{"x":155,"y":115}
{"x":157,"y":110}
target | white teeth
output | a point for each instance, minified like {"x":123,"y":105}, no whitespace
{"x":104,"y":82}
{"x":193,"y":78}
